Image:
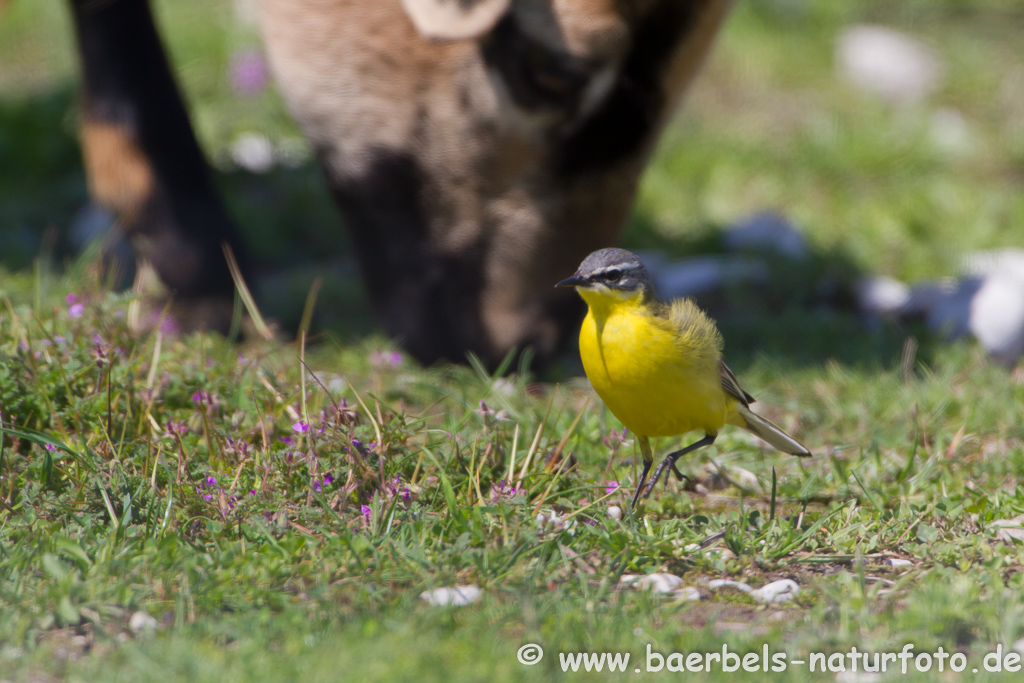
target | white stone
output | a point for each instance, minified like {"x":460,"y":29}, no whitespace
{"x":746,"y":479}
{"x":656,"y":583}
{"x":777,"y":591}
{"x":1009,"y":260}
{"x":996,"y":314}
{"x":253,"y":152}
{"x":1010,"y":530}
{"x":615,"y":512}
{"x":881,"y":295}
{"x":715,"y":584}
{"x":142,"y":621}
{"x":997,"y":317}
{"x":452,"y":596}
{"x":888,"y":64}
{"x":688,"y":593}
{"x":723,"y":553}
{"x":897,"y":562}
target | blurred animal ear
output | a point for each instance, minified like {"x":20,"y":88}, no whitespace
{"x":455,"y":19}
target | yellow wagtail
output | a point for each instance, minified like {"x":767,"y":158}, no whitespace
{"x":657,"y":366}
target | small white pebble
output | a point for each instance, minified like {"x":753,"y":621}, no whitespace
{"x":253,"y":152}
{"x":688,"y":593}
{"x":660,"y":583}
{"x":725,"y":554}
{"x":452,"y":596}
{"x":615,"y":512}
{"x":891,"y":65}
{"x":881,"y":295}
{"x":1010,"y":530}
{"x":747,"y":480}
{"x":777,"y":591}
{"x":729,"y":583}
{"x":142,"y":621}
{"x":656,"y":583}
{"x":897,"y":562}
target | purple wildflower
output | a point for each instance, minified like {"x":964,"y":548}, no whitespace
{"x":179,"y":428}
{"x":71,"y":298}
{"x":615,"y":440}
{"x":503,"y":491}
{"x":611,"y":487}
{"x":392,"y":358}
{"x":169,"y":326}
{"x":76,"y":310}
{"x":248,"y":73}
{"x":287,"y":440}
{"x":316,"y":486}
{"x":301,"y":427}
{"x":490,"y":415}
{"x":367,"y":511}
{"x":328,"y":479}
{"x":208,"y":496}
{"x":50,"y":447}
{"x":211,"y":481}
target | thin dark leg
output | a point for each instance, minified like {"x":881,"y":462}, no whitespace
{"x":679,"y":475}
{"x":648,"y":455}
{"x":670,"y":460}
{"x":640,"y":486}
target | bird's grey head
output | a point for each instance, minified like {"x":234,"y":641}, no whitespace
{"x":615,"y":269}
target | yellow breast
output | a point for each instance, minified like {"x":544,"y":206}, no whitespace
{"x":652,"y":378}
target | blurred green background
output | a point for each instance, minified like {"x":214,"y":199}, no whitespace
{"x":771,"y":125}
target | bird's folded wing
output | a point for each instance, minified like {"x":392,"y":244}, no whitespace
{"x":731,"y":386}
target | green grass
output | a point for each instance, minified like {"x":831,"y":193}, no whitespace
{"x":259,"y":576}
{"x":168,"y":487}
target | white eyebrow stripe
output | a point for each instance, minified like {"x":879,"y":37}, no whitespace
{"x":624,"y":266}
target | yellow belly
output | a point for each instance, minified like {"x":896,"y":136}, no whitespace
{"x":642,"y":373}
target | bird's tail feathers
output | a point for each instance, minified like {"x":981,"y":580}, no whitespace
{"x":772,"y":433}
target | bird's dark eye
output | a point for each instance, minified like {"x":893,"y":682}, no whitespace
{"x":613,"y":275}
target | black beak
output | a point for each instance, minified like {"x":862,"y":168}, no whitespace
{"x":572,"y":281}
